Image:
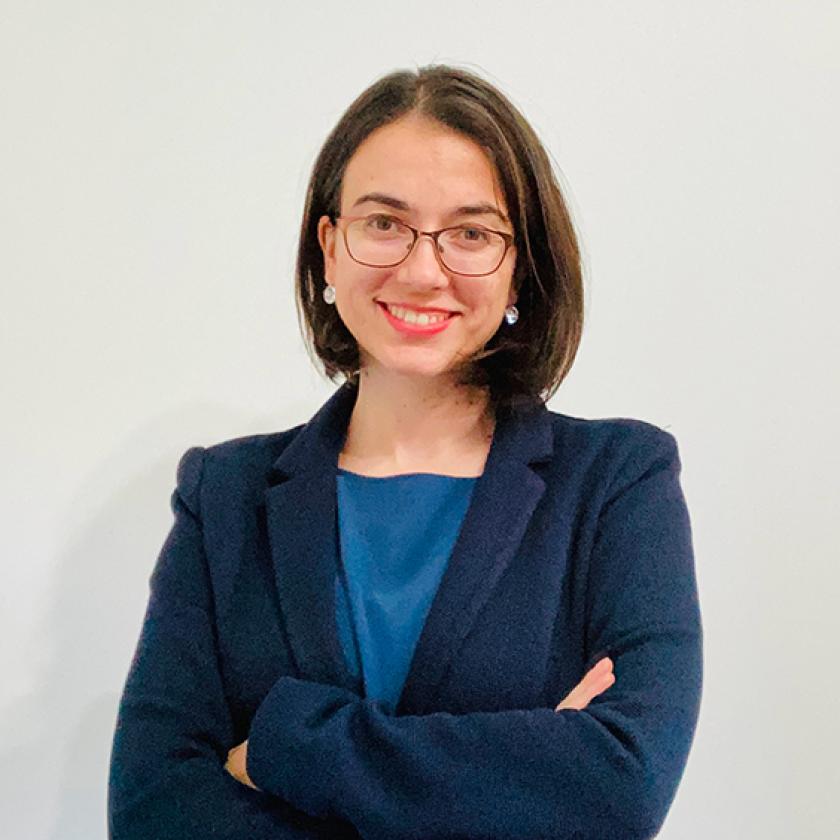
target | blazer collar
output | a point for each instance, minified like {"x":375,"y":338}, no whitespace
{"x":301,"y":507}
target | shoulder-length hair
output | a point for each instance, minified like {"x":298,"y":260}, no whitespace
{"x":522,"y":364}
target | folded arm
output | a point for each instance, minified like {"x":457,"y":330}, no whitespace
{"x":608,"y":771}
{"x":167,"y":778}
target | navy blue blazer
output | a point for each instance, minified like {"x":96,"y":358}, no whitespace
{"x":576,"y":545}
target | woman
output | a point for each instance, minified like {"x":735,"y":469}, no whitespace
{"x":437,"y":609}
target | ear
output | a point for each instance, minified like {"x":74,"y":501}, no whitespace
{"x":326,"y":239}
{"x":511,"y":295}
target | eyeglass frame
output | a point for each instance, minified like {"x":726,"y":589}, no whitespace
{"x":433,"y":234}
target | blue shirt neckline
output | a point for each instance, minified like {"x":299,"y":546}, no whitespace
{"x":342,"y":471}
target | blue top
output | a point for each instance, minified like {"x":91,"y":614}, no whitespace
{"x":396,"y":534}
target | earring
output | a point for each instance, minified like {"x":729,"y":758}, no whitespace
{"x":511,"y":314}
{"x":329,"y":293}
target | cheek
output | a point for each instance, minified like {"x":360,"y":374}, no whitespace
{"x":486,"y":302}
{"x":355,"y":296}
{"x":356,"y":283}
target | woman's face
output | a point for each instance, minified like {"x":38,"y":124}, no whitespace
{"x":422,"y":173}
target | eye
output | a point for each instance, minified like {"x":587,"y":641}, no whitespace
{"x":381,"y":223}
{"x":470,"y":237}
{"x":474,"y":234}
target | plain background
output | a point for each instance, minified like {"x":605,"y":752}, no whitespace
{"x":153,"y":167}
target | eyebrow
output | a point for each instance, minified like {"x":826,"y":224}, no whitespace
{"x":483,"y":208}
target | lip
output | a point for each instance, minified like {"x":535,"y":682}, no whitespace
{"x":417,"y":308}
{"x":417,"y":329}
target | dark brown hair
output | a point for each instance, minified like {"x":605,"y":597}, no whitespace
{"x":521,"y":364}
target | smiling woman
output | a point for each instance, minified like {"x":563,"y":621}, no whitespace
{"x":442,"y":155}
{"x":436,"y":609}
{"x":421,"y":171}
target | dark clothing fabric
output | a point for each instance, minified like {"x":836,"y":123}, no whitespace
{"x":576,"y":544}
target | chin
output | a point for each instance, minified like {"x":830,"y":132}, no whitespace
{"x":419,"y":371}
{"x":421,"y":368}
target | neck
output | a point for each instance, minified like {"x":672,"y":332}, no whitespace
{"x":406,"y":423}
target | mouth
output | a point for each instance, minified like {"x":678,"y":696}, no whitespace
{"x":416,"y":320}
{"x":420,"y":315}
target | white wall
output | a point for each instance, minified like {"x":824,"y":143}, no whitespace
{"x":153,"y":164}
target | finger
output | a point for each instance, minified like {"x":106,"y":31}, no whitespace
{"x":595,"y":676}
{"x":597,"y":680}
{"x":604,"y":664}
{"x":580,"y":697}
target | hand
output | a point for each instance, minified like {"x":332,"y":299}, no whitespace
{"x":235,"y":765}
{"x":597,"y":680}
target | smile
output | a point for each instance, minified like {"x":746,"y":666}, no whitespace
{"x":415,"y":322}
{"x":413,"y":316}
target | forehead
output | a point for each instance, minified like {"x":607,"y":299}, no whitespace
{"x":425,"y":164}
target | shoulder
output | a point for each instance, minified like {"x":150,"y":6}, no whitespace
{"x":237,"y":465}
{"x":614,"y":434}
{"x":611,"y":450}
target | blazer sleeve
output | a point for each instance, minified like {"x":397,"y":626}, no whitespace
{"x":609,"y":771}
{"x":167,"y":778}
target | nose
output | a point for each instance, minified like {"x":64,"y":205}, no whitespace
{"x":423,"y":266}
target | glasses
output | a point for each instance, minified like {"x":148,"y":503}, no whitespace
{"x":382,"y":241}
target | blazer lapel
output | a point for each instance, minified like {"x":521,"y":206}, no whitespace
{"x":303,"y":534}
{"x":504,"y":498}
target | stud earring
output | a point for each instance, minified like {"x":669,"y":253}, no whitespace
{"x":329,"y":293}
{"x":511,"y":314}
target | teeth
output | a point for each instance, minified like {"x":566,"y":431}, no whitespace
{"x":420,"y":318}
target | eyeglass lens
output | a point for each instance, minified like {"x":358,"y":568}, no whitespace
{"x":383,"y":241}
